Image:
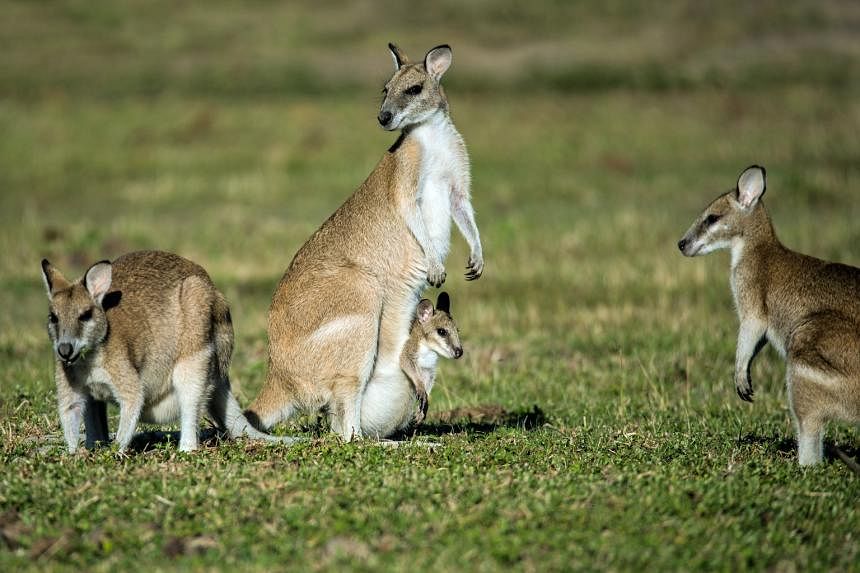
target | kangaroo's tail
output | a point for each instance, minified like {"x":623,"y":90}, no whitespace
{"x":225,"y":408}
{"x":222,"y":325}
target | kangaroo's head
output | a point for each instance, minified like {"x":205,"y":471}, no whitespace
{"x":438,"y":328}
{"x":414,"y":93}
{"x":76,"y":320}
{"x":730,"y":216}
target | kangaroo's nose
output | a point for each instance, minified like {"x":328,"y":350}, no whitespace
{"x":681,"y":244}
{"x":384,"y":118}
{"x":458,"y":352}
{"x":64,"y":350}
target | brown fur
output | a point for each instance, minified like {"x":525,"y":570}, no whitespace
{"x":345,"y":302}
{"x":808,"y":308}
{"x":427,"y":334}
{"x":158,"y":343}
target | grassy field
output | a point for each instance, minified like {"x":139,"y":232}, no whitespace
{"x":595,"y":424}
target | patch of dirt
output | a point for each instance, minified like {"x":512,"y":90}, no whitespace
{"x":197,"y":545}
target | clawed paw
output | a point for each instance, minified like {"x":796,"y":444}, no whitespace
{"x":436,"y":275}
{"x":423,"y":405}
{"x":744,"y":388}
{"x":474,"y":267}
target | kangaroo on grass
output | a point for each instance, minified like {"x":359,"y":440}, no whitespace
{"x":149,"y":332}
{"x":390,"y":407}
{"x":341,"y":314}
{"x":808,"y":309}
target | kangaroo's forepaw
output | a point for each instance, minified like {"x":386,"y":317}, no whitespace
{"x":474,"y":267}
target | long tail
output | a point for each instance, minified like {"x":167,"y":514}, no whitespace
{"x":222,"y":323}
{"x":226,"y":408}
{"x":237,"y":425}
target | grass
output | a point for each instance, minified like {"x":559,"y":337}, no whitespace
{"x":597,"y":131}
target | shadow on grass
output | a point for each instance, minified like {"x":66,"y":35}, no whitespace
{"x":476,"y":420}
{"x":845,"y":454}
{"x":147,"y":441}
{"x":482,"y":419}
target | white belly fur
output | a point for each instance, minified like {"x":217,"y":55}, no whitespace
{"x":388,"y":403}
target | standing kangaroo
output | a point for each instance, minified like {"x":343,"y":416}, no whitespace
{"x":150,"y":332}
{"x":807,"y":308}
{"x":342,"y":311}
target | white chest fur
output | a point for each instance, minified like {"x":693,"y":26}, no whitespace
{"x":427,"y":360}
{"x":444,"y":166}
{"x":93,"y":375}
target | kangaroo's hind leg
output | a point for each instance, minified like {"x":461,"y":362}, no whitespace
{"x":823,"y":364}
{"x":190,"y":380}
{"x":808,"y":415}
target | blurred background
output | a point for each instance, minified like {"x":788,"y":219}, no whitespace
{"x":227,"y":132}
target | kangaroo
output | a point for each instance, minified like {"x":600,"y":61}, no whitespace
{"x":389,"y":400}
{"x":149,"y":332}
{"x":343,"y":309}
{"x":808,"y":309}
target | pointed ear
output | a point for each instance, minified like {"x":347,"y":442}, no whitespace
{"x":53,"y":279}
{"x":98,"y":280}
{"x":424,"y":311}
{"x":400,"y":58}
{"x":438,"y":60}
{"x":751,"y":185}
{"x":443,"y":302}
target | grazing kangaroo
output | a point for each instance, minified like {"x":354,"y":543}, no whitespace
{"x":150,"y":332}
{"x":807,"y":308}
{"x":343,"y":309}
{"x":389,"y":401}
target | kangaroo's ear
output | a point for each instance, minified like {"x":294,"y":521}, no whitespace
{"x":438,"y":60}
{"x":443,"y":302}
{"x":53,"y":279}
{"x":424,"y":312}
{"x":98,"y":280}
{"x":751,"y":185}
{"x":400,"y":58}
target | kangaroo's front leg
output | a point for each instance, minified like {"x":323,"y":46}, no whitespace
{"x":413,"y":373}
{"x":71,"y":404}
{"x":130,"y":397}
{"x":435,"y":267}
{"x":751,"y":339}
{"x":464,"y":217}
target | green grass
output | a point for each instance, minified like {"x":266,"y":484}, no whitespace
{"x":228,"y":132}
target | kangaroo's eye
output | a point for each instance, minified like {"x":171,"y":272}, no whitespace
{"x":53,"y":318}
{"x":711,"y":219}
{"x":442,"y":332}
{"x":414,"y":90}
{"x":86,"y":315}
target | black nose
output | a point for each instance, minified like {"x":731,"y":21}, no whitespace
{"x":384,"y":118}
{"x":681,"y":244}
{"x":64,"y":350}
{"x":458,"y":352}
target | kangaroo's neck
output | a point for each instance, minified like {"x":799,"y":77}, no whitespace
{"x":433,"y":131}
{"x":758,"y":235}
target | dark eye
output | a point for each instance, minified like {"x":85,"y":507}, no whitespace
{"x":384,"y":91}
{"x":711,"y":219}
{"x":53,"y":318}
{"x":86,"y":315}
{"x":442,"y":332}
{"x":414,"y":90}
